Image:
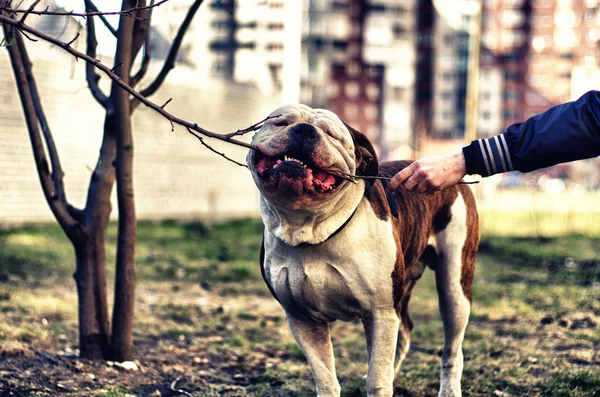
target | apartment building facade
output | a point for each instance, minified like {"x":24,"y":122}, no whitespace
{"x":358,"y":61}
{"x":547,"y":50}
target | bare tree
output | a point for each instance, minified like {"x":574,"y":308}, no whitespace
{"x":86,"y":227}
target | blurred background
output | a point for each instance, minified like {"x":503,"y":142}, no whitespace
{"x":418,"y":77}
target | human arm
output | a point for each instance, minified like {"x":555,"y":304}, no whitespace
{"x":566,"y":132}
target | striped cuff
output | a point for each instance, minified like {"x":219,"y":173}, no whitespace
{"x":488,"y":156}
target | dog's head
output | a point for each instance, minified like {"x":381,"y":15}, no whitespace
{"x":299,"y":154}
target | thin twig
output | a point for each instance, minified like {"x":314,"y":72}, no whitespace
{"x":29,"y":38}
{"x":180,"y":391}
{"x":206,"y":145}
{"x":166,"y":103}
{"x":128,"y":12}
{"x":29,"y":10}
{"x":253,"y":127}
{"x":135,"y":79}
{"x":93,"y":7}
{"x":350,"y":177}
{"x":116,"y":66}
{"x":73,"y":40}
{"x":170,"y":60}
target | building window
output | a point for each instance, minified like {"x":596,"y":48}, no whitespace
{"x":565,"y":38}
{"x":339,"y":45}
{"x":333,"y":90}
{"x":353,"y":69}
{"x":374,"y":72}
{"x":350,"y":110}
{"x":339,"y":5}
{"x":352,"y":89}
{"x":371,"y":112}
{"x":512,"y":76}
{"x":565,"y":75}
{"x":398,"y":94}
{"x":372,"y":91}
{"x":424,"y":38}
{"x":220,"y":67}
{"x":398,"y":30}
{"x":275,"y":47}
{"x":511,"y":95}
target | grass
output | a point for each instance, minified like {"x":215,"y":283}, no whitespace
{"x":206,"y":319}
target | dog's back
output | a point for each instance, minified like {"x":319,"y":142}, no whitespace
{"x":420,"y":217}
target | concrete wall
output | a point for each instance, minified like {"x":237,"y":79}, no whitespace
{"x":175,"y":176}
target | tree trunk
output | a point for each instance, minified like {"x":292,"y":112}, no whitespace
{"x":123,"y":312}
{"x":96,"y":219}
{"x":94,"y":339}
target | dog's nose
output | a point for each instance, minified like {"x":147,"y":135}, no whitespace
{"x":305,"y":132}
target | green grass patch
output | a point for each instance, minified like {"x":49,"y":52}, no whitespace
{"x":205,"y":315}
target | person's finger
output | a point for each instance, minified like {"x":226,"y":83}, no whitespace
{"x":400,"y":177}
{"x":422,"y":187}
{"x":411,"y":183}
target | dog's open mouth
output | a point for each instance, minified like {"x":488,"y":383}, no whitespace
{"x":294,"y":172}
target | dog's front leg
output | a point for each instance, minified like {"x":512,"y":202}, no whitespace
{"x":381,"y":331}
{"x":315,"y":342}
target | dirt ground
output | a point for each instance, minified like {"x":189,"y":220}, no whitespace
{"x":190,"y":341}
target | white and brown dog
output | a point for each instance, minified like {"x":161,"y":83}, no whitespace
{"x":335,"y":249}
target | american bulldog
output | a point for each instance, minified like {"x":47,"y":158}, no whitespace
{"x":339,"y":248}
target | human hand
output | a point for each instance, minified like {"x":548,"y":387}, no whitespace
{"x":431,"y":173}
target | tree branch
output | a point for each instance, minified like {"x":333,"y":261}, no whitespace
{"x":57,"y":172}
{"x":170,"y":61}
{"x":206,"y":145}
{"x":140,"y":34}
{"x":128,"y":12}
{"x":135,"y":79}
{"x":174,"y":119}
{"x":29,"y":10}
{"x":93,"y":7}
{"x":57,"y":206}
{"x":90,"y":74}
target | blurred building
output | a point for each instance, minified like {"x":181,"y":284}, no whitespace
{"x":255,"y":42}
{"x":358,"y":61}
{"x":445,"y":31}
{"x":547,"y":51}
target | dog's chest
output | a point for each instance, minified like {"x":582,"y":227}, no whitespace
{"x":340,"y":279}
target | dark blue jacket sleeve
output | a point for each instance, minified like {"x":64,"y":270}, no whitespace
{"x":566,"y":132}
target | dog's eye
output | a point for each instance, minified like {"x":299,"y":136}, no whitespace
{"x":281,"y":123}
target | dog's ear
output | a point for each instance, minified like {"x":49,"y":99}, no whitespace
{"x":366,"y":158}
